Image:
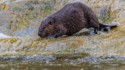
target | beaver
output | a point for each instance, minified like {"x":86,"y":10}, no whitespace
{"x":69,"y":20}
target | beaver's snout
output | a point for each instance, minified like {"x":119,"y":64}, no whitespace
{"x":40,"y":33}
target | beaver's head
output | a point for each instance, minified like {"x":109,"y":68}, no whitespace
{"x":47,"y":27}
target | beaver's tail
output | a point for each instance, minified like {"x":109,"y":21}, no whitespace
{"x":107,"y":27}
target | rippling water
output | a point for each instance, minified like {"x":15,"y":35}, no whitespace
{"x":58,"y":65}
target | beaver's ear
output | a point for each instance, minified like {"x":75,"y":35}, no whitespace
{"x":52,"y":21}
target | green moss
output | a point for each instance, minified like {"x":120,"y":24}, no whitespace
{"x":12,"y":40}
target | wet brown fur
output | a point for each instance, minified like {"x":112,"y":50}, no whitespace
{"x":69,"y":20}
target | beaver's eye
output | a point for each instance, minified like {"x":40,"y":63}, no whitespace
{"x":50,"y":23}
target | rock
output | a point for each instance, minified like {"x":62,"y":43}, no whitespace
{"x":2,"y":36}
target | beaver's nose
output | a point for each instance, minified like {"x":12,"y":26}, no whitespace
{"x":40,"y":34}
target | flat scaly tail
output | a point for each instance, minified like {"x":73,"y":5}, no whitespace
{"x":107,"y":27}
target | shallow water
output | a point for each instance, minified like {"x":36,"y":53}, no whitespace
{"x":60,"y":65}
{"x":54,"y":63}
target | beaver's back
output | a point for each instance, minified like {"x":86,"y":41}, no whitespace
{"x":72,"y":17}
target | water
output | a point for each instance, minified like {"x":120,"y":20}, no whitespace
{"x":57,"y":65}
